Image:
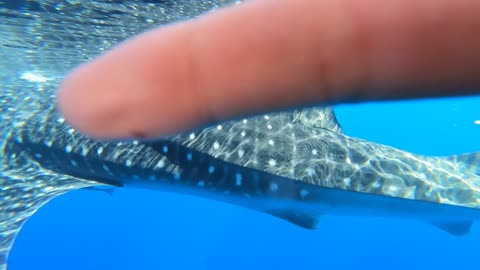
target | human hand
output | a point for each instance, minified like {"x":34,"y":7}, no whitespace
{"x":274,"y":54}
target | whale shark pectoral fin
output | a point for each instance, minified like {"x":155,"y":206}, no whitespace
{"x":457,"y":228}
{"x":300,"y":219}
{"x":21,"y":197}
{"x":105,"y":189}
{"x":98,"y":179}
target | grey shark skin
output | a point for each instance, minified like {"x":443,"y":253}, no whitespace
{"x":296,"y":165}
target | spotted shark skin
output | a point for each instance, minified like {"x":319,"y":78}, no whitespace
{"x":296,"y":165}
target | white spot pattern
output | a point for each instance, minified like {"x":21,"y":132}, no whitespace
{"x":68,"y":148}
{"x":272,"y":162}
{"x":273,"y":187}
{"x":304,"y":193}
{"x":238,"y":179}
{"x":160,"y":163}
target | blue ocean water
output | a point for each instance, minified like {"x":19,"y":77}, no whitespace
{"x":142,"y":229}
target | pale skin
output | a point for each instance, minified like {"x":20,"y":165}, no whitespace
{"x":267,"y":55}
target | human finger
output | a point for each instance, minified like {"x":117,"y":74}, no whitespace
{"x":271,"y":55}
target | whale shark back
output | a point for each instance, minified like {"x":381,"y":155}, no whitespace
{"x":44,"y":158}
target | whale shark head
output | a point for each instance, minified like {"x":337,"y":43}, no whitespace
{"x":296,"y":165}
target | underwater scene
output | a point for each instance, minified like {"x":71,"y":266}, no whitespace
{"x":375,"y":185}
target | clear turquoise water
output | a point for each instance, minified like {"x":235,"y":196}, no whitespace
{"x":95,"y":230}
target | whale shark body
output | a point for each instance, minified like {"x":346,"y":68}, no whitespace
{"x":296,"y":165}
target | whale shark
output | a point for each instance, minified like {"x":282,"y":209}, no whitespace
{"x":296,"y":165}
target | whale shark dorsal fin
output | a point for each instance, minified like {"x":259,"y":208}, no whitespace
{"x":318,"y":117}
{"x":457,"y":228}
{"x":300,"y":219}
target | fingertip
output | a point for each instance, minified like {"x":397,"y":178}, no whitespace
{"x":80,"y":101}
{"x":141,"y":88}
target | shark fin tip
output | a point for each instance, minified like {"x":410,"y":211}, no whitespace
{"x":457,"y":228}
{"x":300,"y":219}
